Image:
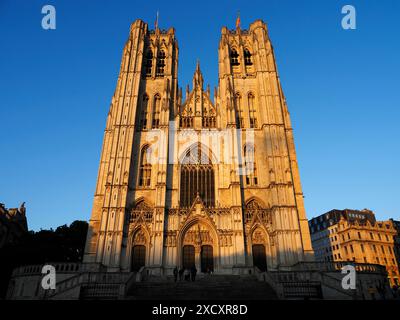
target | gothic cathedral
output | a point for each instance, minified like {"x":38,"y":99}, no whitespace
{"x":198,"y":180}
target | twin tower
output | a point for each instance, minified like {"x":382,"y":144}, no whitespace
{"x":197,"y":180}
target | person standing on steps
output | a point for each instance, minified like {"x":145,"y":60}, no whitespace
{"x":186,"y":274}
{"x":181,"y":274}
{"x":193,"y":272}
{"x":175,"y":273}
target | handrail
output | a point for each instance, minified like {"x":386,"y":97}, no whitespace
{"x":62,"y":286}
{"x":267,"y":277}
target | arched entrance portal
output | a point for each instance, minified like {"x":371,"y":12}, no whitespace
{"x":138,"y":257}
{"x":259,"y":257}
{"x":199,"y":247}
{"x":188,"y":255}
{"x":207,"y":259}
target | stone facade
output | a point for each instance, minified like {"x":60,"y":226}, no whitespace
{"x":210,"y":181}
{"x":354,"y":235}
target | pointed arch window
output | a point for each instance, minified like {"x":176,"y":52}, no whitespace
{"x":143,"y":116}
{"x":234,"y":58}
{"x":156,"y":111}
{"x":239,"y":107}
{"x":149,"y":63}
{"x":252,"y":110}
{"x":247,"y":57}
{"x":145,"y":167}
{"x":197,"y":177}
{"x":160,"y":64}
{"x":250,"y":165}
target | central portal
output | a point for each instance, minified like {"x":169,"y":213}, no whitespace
{"x":207,"y":259}
{"x":199,"y":243}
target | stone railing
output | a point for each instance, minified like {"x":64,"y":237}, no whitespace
{"x":37,"y":269}
{"x":105,"y":285}
{"x":63,"y":286}
{"x":93,"y":285}
{"x":338,"y":266}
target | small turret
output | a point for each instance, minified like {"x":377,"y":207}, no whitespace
{"x":198,"y":77}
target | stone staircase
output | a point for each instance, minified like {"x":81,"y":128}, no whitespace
{"x":206,"y":287}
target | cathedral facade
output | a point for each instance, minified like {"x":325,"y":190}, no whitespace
{"x":210,"y":181}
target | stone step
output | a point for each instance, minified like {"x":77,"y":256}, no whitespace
{"x":210,"y":287}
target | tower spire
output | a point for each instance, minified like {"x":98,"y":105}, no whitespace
{"x":156,"y":22}
{"x":238,"y":21}
{"x":198,"y":77}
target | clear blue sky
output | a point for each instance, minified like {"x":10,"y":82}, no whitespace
{"x":342,"y":89}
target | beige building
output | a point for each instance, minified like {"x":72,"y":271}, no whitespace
{"x":353,"y":235}
{"x":198,"y":179}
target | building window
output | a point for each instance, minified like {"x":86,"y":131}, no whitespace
{"x":145,"y":167}
{"x":362,"y":248}
{"x":160,"y":64}
{"x":371,"y":235}
{"x":149,"y":63}
{"x":197,"y":177}
{"x":359,"y":235}
{"x":252,"y":110}
{"x":234,"y":58}
{"x":156,"y":111}
{"x":239,"y":108}
{"x":250,"y":165}
{"x":383,"y":249}
{"x":143,"y":118}
{"x":247,"y":57}
{"x":351,"y":248}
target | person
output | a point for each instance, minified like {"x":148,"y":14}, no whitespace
{"x":193,"y":272}
{"x":186,"y":274}
{"x":175,"y":273}
{"x":181,"y":274}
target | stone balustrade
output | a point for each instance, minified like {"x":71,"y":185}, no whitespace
{"x":64,"y":267}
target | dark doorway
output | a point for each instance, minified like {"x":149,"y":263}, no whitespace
{"x":207,"y":259}
{"x":259,"y":258}
{"x":188,"y":257}
{"x":138,"y":257}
